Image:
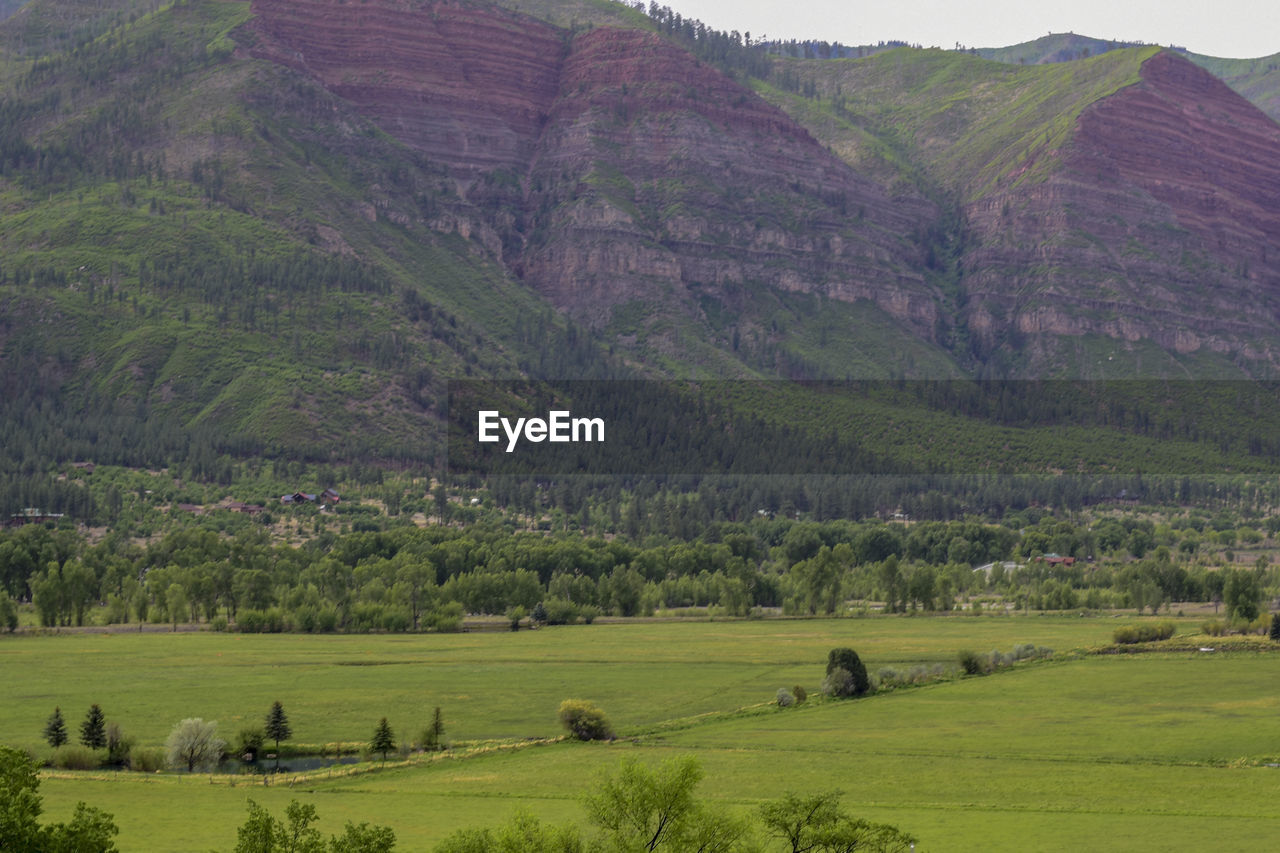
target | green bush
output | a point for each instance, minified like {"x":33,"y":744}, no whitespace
{"x":972,"y":663}
{"x":800,"y":694}
{"x":853,"y":681}
{"x":76,"y":758}
{"x":446,"y":619}
{"x":146,"y":760}
{"x":1213,"y":627}
{"x":584,"y":720}
{"x":1145,"y":633}
{"x":249,"y":742}
{"x":588,"y":613}
{"x":269,"y":621}
{"x":559,"y":611}
{"x":783,"y":698}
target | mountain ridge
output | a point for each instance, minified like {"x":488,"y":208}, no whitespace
{"x":285,"y":222}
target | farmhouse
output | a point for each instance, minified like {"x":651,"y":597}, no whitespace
{"x":31,"y":515}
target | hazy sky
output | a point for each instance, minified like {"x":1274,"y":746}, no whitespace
{"x":1236,"y":28}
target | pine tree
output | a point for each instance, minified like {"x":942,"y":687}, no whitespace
{"x":433,"y":737}
{"x":55,"y":730}
{"x":1275,"y":626}
{"x":277,"y":727}
{"x":383,"y":739}
{"x":93,"y":731}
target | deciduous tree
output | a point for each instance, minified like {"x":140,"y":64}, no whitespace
{"x":89,"y":831}
{"x":584,"y":720}
{"x":194,"y":743}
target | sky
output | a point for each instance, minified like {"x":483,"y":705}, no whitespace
{"x":1229,"y":28}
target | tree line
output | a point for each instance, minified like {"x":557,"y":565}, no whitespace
{"x":408,"y":578}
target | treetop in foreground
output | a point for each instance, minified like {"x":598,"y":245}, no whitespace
{"x":89,"y":831}
{"x":643,"y":808}
{"x":263,"y":833}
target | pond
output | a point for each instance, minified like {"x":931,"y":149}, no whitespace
{"x":288,"y":764}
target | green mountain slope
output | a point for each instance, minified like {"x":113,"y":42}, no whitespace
{"x":1256,"y":79}
{"x":1055,"y":47}
{"x":279,"y":228}
{"x":226,"y":245}
{"x":970,"y":123}
{"x":1076,"y":224}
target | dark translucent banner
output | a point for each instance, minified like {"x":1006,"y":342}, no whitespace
{"x":897,"y":427}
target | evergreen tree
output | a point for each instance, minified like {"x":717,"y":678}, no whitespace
{"x":433,"y":737}
{"x":93,"y":731}
{"x":1275,"y":627}
{"x":55,"y":730}
{"x":846,"y":673}
{"x":383,"y":739}
{"x":277,"y":727}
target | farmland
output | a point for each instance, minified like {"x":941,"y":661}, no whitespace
{"x":1148,"y":751}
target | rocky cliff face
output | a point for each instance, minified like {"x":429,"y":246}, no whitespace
{"x":618,"y":175}
{"x":468,"y":84}
{"x":1160,"y":225}
{"x":615,"y":167}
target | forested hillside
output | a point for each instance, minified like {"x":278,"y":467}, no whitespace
{"x":232,"y":232}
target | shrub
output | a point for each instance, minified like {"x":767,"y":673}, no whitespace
{"x":1213,"y":627}
{"x":589,"y":612}
{"x":76,"y":758}
{"x":783,"y":698}
{"x":218,"y":623}
{"x":327,"y":620}
{"x":305,"y":618}
{"x":119,"y":745}
{"x":146,"y":760}
{"x":560,"y":611}
{"x":1125,"y":635}
{"x":1145,"y":633}
{"x":584,"y":720}
{"x":856,"y":683}
{"x":799,"y":693}
{"x":446,"y":619}
{"x":249,"y":742}
{"x":972,"y":663}
{"x":1275,"y":627}
{"x":838,"y":683}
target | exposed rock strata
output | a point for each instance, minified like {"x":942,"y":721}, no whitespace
{"x":616,"y":166}
{"x":1161,"y":224}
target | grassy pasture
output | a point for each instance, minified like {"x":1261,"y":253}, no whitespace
{"x":490,"y":685}
{"x":1135,"y":752}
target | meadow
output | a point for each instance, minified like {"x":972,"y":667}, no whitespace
{"x":1135,"y":752}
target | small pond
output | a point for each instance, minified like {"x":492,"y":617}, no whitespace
{"x":288,"y":764}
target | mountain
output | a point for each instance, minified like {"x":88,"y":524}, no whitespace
{"x":1258,"y":80}
{"x":279,"y":227}
{"x":638,"y":189}
{"x":1115,"y":211}
{"x":1054,"y":47}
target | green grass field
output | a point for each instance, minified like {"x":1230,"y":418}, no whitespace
{"x":1135,"y":752}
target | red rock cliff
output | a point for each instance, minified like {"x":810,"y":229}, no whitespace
{"x":615,"y":166}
